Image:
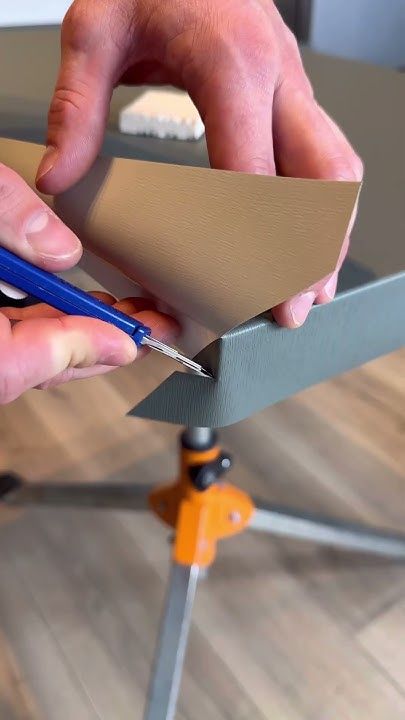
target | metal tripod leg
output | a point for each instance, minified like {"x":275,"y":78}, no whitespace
{"x":110,"y":496}
{"x":286,"y":522}
{"x":169,"y":657}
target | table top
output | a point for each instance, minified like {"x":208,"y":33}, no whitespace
{"x":259,"y":364}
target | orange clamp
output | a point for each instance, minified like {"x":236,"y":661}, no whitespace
{"x":200,"y":518}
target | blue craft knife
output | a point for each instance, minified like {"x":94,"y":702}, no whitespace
{"x":58,"y":293}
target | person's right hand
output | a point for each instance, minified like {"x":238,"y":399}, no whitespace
{"x":40,"y":346}
{"x":241,"y":66}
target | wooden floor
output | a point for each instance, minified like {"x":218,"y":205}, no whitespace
{"x":281,"y":630}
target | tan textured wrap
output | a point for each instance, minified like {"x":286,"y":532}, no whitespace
{"x":220,"y":247}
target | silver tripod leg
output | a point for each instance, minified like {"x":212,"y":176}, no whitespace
{"x":110,"y":496}
{"x":289,"y":523}
{"x":169,"y":657}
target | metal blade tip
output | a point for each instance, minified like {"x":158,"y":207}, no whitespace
{"x":173,"y":353}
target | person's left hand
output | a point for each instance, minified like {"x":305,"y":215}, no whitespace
{"x":32,"y":326}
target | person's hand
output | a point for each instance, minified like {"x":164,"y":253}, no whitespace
{"x":240,"y":65}
{"x":38,"y":345}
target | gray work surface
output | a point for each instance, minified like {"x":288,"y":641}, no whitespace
{"x":259,"y":364}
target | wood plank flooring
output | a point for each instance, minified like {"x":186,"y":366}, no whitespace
{"x":281,"y":630}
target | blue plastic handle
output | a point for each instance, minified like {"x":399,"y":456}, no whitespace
{"x":63,"y":296}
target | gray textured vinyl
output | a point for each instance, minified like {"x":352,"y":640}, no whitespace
{"x":259,"y":363}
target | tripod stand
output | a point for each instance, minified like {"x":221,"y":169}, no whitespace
{"x":202,"y":509}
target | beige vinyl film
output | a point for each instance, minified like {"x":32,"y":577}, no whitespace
{"x":218,"y":246}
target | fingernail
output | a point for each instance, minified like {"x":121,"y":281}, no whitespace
{"x":48,"y":161}
{"x":330,"y":287}
{"x":301,"y":307}
{"x":11,"y":291}
{"x":43,"y":233}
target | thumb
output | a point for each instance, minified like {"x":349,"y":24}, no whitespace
{"x":30,"y":229}
{"x":79,"y":108}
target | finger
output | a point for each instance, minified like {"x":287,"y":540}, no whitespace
{"x":105,"y":297}
{"x":132,"y":306}
{"x":326,"y":289}
{"x":161,"y":324}
{"x":34,"y":351}
{"x":163,"y":328}
{"x":238,"y":129}
{"x":309,"y":144}
{"x":230,"y":67}
{"x":33,"y":312}
{"x":236,"y":103}
{"x":41,"y":310}
{"x":72,"y":374}
{"x":30,"y":229}
{"x":80,"y":104}
{"x":294,"y":312}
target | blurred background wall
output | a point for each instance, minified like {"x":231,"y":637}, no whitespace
{"x":369,"y":30}
{"x":32,"y":12}
{"x":372,"y":30}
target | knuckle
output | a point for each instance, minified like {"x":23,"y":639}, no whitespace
{"x":67,"y":102}
{"x":10,"y":184}
{"x":8,"y":389}
{"x":257,"y":45}
{"x":208,"y":35}
{"x":291,"y":43}
{"x":71,"y":352}
{"x":13,"y":190}
{"x":88,"y":21}
{"x":259,"y":164}
{"x":78,"y":26}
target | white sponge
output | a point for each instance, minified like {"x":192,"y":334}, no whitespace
{"x":163,"y":114}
